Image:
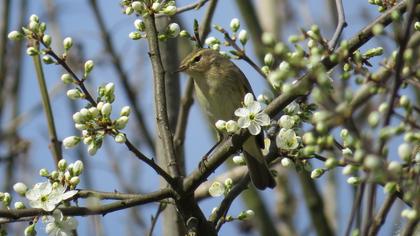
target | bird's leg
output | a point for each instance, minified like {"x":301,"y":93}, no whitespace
{"x":220,"y":138}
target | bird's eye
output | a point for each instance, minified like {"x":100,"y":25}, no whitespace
{"x":197,"y":59}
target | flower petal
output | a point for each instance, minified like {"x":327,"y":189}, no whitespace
{"x":241,"y":112}
{"x":244,"y":122}
{"x":254,"y":107}
{"x":254,"y":128}
{"x":262,"y":119}
{"x":69,"y":194}
{"x":248,"y":99}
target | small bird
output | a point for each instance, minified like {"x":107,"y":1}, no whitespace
{"x":220,"y":87}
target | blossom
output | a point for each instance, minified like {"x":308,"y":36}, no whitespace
{"x":46,"y":196}
{"x":287,"y":139}
{"x":59,"y":225}
{"x":216,"y":189}
{"x":251,"y":116}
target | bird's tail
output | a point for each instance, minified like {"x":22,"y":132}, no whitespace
{"x":258,"y":168}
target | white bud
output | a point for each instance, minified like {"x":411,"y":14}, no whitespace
{"x":382,"y":108}
{"x":34,"y":18}
{"x":287,"y":162}
{"x":74,"y":94}
{"x":66,"y":78}
{"x":75,"y":180}
{"x":353,"y":180}
{"x":121,"y":122}
{"x":269,"y":59}
{"x":44,"y":172}
{"x":155,"y":6}
{"x":109,"y":89}
{"x":347,"y":152}
{"x":15,"y":35}
{"x":268,"y":38}
{"x":19,"y":205}
{"x":68,"y":43}
{"x":106,"y":109}
{"x":31,"y":51}
{"x":128,"y":10}
{"x":239,"y":160}
{"x":318,"y":172}
{"x":20,"y":188}
{"x":100,"y":105}
{"x":88,"y":67}
{"x":169,"y":10}
{"x":286,"y":121}
{"x":92,"y":149}
{"x":139,"y":25}
{"x":71,"y":141}
{"x":220,"y":125}
{"x":137,"y":6}
{"x":120,"y":138}
{"x":94,"y":112}
{"x":216,"y":189}
{"x":211,"y":41}
{"x":235,"y":24}
{"x":349,"y":169}
{"x":78,"y":167}
{"x":47,"y":39}
{"x":232,"y":126}
{"x":62,"y":165}
{"x":404,"y":151}
{"x":243,"y":37}
{"x":125,"y":111}
{"x":173,"y":30}
{"x":134,"y":35}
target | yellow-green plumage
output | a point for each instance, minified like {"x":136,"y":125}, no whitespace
{"x":220,"y":87}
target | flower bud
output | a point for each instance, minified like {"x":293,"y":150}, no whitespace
{"x":268,"y":38}
{"x":121,"y":122}
{"x":71,"y":141}
{"x":34,"y":18}
{"x":155,"y":6}
{"x":220,"y":125}
{"x":137,"y":6}
{"x":19,"y":205}
{"x":139,"y":25}
{"x":349,"y":169}
{"x":120,"y":138}
{"x":94,"y":112}
{"x":286,"y":121}
{"x":75,"y":180}
{"x":68,"y":43}
{"x":331,"y":163}
{"x":74,"y":94}
{"x":404,"y":151}
{"x":7,"y":199}
{"x":54,"y":175}
{"x":78,"y":167}
{"x":88,"y":67}
{"x":62,"y":164}
{"x":232,"y":126}
{"x":15,"y":35}
{"x":235,"y":24}
{"x":373,"y":52}
{"x":216,"y":189}
{"x":47,"y":40}
{"x":318,"y":172}
{"x":287,"y":162}
{"x":169,"y":10}
{"x":245,"y":215}
{"x":31,"y":51}
{"x":417,"y":26}
{"x":125,"y":111}
{"x":373,"y":119}
{"x":184,"y":33}
{"x":128,"y":10}
{"x":20,"y":188}
{"x":92,"y":149}
{"x":66,"y":78}
{"x":269,"y":59}
{"x":30,"y":230}
{"x":106,"y":109}
{"x":404,"y":101}
{"x":243,"y":36}
{"x":34,"y":26}
{"x":134,"y":35}
{"x":410,"y":214}
{"x":239,"y":160}
{"x":353,"y":180}
{"x":47,"y":59}
{"x":44,"y":172}
{"x":173,"y":30}
{"x":109,"y":89}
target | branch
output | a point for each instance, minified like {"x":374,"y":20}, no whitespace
{"x":191,"y":6}
{"x":55,"y":145}
{"x":341,"y":24}
{"x":92,"y":210}
{"x":160,"y":95}
{"x":381,"y":216}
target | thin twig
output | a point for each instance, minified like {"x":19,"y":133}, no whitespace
{"x":341,"y":24}
{"x":382,"y":214}
{"x":55,"y":144}
{"x":356,"y":207}
{"x":160,"y":209}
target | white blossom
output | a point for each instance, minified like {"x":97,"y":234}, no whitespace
{"x":45,"y":196}
{"x":251,"y":116}
{"x":59,"y":225}
{"x":287,"y":139}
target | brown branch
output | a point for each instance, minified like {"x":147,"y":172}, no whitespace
{"x":341,"y":24}
{"x":382,"y":214}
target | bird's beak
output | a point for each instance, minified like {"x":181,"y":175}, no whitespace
{"x":181,"y":68}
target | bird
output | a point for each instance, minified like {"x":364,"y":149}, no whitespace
{"x":220,"y":87}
